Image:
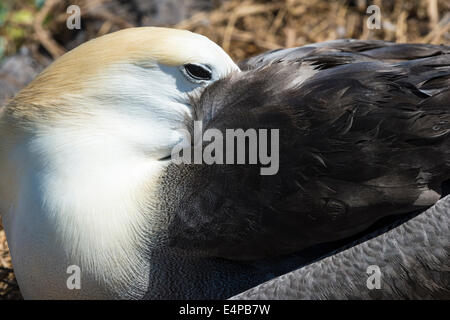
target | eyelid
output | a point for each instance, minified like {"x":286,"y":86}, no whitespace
{"x":191,"y":73}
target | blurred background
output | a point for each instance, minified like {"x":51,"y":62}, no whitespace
{"x":34,"y":32}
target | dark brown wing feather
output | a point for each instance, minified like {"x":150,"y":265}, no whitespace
{"x":361,"y":139}
{"x":413,"y":260}
{"x":359,"y":49}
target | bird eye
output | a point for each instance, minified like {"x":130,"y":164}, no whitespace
{"x":198,"y":72}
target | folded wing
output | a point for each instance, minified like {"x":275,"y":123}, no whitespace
{"x":363,"y":134}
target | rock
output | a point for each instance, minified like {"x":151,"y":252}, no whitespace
{"x":160,"y":12}
{"x":16,"y":72}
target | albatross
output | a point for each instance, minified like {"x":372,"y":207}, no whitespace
{"x":89,"y":181}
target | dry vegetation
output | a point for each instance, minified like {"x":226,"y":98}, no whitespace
{"x":243,"y":28}
{"x":8,"y":285}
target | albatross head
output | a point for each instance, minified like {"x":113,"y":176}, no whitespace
{"x":133,"y":82}
{"x":80,"y":156}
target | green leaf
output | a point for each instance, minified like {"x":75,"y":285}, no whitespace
{"x":2,"y":47}
{"x":15,"y":33}
{"x":22,"y":17}
{"x":39,"y":3}
{"x":3,"y":14}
